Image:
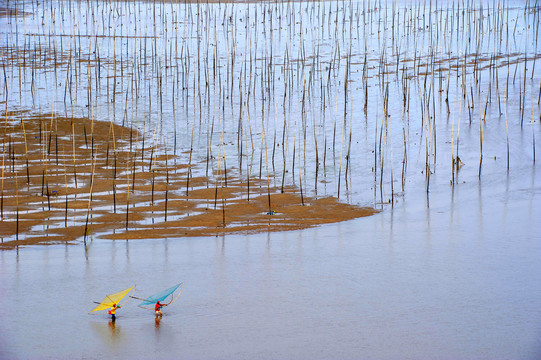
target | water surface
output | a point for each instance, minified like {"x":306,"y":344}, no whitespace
{"x":452,"y":272}
{"x":461,"y":279}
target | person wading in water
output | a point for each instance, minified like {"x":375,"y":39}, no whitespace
{"x":158,"y":308}
{"x":113,"y":310}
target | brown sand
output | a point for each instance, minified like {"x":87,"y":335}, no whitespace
{"x":67,"y":179}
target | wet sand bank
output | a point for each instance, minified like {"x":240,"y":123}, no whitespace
{"x":67,"y":179}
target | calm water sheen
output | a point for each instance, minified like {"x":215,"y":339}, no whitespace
{"x":461,"y":279}
{"x":449,"y":275}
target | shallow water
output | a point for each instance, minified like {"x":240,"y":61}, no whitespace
{"x":461,"y":279}
{"x":263,"y":85}
{"x":451,"y":273}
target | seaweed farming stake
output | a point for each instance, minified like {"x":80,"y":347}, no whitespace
{"x":2,"y":191}
{"x":533,"y":124}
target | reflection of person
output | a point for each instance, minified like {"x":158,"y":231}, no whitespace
{"x":113,"y":310}
{"x":158,"y":308}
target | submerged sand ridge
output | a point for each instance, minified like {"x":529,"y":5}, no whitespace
{"x":70,"y":179}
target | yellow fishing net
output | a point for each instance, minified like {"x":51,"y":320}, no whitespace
{"x":109,"y":300}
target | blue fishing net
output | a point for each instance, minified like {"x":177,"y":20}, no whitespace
{"x":161,"y":296}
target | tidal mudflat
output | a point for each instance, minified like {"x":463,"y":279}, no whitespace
{"x":155,"y":142}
